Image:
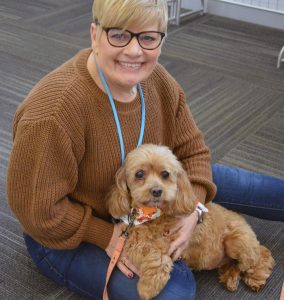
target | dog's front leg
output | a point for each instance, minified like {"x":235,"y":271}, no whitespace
{"x":155,"y":271}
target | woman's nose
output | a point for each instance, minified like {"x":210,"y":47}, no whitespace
{"x":133,"y":48}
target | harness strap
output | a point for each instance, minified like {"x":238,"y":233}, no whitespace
{"x":115,"y":256}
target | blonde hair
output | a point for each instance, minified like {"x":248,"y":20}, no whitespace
{"x":126,"y":13}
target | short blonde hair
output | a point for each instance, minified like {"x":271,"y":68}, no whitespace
{"x":126,"y":13}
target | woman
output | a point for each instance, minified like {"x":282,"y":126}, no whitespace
{"x":71,"y":135}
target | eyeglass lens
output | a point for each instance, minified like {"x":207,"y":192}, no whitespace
{"x":147,"y":40}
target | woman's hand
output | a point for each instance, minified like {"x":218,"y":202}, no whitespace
{"x":124,"y":265}
{"x":183,"y":228}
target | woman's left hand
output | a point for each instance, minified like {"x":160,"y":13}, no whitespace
{"x":183,"y":228}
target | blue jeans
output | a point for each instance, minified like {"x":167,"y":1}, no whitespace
{"x":249,"y":193}
{"x":83,"y":270}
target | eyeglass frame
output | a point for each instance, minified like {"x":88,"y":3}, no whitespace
{"x":132,"y":34}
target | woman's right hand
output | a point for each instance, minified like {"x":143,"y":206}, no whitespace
{"x":124,"y":264}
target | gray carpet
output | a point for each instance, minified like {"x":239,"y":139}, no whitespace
{"x":228,"y":70}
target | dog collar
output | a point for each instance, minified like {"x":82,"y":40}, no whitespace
{"x":142,"y":215}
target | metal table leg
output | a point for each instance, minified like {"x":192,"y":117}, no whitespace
{"x":280,"y":57}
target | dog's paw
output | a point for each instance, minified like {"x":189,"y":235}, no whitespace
{"x":229,"y":275}
{"x":256,"y":276}
{"x":232,"y":283}
{"x":254,"y":284}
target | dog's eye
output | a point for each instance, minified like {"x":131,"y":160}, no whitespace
{"x":139,"y":174}
{"x":165,"y":174}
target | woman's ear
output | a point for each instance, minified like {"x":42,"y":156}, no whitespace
{"x":93,"y":34}
{"x":118,"y":199}
{"x":93,"y":31}
{"x":185,"y":200}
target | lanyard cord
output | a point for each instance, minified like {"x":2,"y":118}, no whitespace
{"x":117,"y":123}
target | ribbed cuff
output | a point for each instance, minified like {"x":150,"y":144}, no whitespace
{"x":204,"y":194}
{"x":200,"y":192}
{"x":99,"y":232}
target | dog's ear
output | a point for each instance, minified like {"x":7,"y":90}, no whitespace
{"x":185,"y":200}
{"x":118,"y":199}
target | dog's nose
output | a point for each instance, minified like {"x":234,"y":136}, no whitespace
{"x":156,"y":192}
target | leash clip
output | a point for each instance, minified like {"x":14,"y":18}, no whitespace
{"x":131,"y":219}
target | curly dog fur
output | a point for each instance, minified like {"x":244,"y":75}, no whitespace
{"x":152,"y":176}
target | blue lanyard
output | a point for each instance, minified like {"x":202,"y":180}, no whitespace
{"x":117,"y":123}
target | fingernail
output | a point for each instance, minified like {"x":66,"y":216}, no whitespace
{"x":130,"y":275}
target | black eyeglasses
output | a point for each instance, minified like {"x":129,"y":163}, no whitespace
{"x":148,"y":40}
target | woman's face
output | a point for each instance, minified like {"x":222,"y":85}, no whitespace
{"x":124,"y":67}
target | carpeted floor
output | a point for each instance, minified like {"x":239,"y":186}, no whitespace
{"x":236,"y":94}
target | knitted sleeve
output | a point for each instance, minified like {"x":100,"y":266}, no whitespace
{"x":195,"y":156}
{"x":42,"y":171}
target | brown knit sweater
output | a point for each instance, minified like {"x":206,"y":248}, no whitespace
{"x":66,"y":151}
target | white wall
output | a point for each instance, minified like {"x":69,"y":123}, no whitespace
{"x":243,"y":12}
{"x":191,"y":4}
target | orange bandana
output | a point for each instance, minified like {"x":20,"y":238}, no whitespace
{"x":142,"y":215}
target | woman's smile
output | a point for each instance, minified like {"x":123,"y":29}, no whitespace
{"x":130,"y":65}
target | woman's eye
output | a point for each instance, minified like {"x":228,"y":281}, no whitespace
{"x":148,"y":38}
{"x":165,"y":174}
{"x":119,"y":36}
{"x":139,"y":174}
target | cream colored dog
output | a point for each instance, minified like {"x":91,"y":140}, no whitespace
{"x":153,"y":177}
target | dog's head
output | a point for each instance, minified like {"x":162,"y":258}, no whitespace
{"x":151,"y":176}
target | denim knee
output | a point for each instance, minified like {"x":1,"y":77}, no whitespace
{"x":251,"y":193}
